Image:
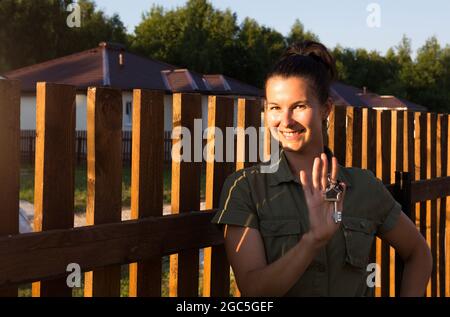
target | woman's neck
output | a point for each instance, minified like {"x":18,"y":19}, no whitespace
{"x":303,"y":161}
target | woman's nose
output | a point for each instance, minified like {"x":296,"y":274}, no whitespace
{"x":286,"y":119}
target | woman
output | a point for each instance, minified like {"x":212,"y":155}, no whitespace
{"x":286,"y":233}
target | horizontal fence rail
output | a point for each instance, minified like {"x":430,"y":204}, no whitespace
{"x":408,"y":151}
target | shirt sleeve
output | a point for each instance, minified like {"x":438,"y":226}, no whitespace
{"x":387,"y":208}
{"x":236,"y":205}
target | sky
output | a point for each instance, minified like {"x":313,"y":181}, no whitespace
{"x":373,"y":25}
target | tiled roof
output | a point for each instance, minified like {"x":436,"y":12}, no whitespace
{"x":111,"y":65}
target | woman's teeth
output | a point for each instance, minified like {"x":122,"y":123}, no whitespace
{"x":290,"y":134}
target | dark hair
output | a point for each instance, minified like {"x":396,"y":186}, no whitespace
{"x":311,"y":61}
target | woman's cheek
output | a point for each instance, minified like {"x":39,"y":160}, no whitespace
{"x":273,"y":119}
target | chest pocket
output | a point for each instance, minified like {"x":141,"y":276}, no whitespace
{"x":359,"y":234}
{"x":279,"y":236}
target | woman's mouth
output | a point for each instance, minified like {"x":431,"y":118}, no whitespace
{"x":292,"y":135}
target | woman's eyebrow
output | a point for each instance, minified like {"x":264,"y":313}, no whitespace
{"x":294,"y":103}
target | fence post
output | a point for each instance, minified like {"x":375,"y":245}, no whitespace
{"x":248,"y":115}
{"x":147,"y":173}
{"x":184,"y":266}
{"x":9,"y":163}
{"x":402,"y":194}
{"x":216,"y":269}
{"x":54,"y":169}
{"x":104,"y":169}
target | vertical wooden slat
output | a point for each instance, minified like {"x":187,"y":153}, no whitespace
{"x":9,"y":163}
{"x":147,"y":181}
{"x":446,"y":203}
{"x":331,"y":130}
{"x":184,"y":266}
{"x":398,"y":150}
{"x":368,"y":161}
{"x":248,"y":115}
{"x":357,"y":137}
{"x":349,"y":136}
{"x":385,"y":165}
{"x":54,"y":169}
{"x":369,"y":139}
{"x":216,"y":269}
{"x":104,"y":169}
{"x":431,"y":205}
{"x":442,"y":143}
{"x":338,"y":125}
{"x":421,"y":171}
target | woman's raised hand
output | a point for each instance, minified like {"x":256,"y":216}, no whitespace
{"x":322,"y":225}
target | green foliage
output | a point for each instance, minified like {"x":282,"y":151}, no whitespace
{"x":208,"y":40}
{"x":35,"y":31}
{"x":424,"y":80}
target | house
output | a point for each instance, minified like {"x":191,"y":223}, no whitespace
{"x":345,"y":95}
{"x":111,"y":65}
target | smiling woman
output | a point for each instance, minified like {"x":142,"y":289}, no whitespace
{"x":307,"y":228}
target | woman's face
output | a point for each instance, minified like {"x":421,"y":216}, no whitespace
{"x":294,"y":112}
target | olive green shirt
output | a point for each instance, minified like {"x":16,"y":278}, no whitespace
{"x":274,"y":204}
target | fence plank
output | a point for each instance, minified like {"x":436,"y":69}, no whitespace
{"x":104,"y":190}
{"x":216,"y":269}
{"x":368,"y":160}
{"x":384,"y":164}
{"x":147,"y":181}
{"x":446,"y":203}
{"x":184,"y":267}
{"x":41,"y":255}
{"x":9,"y":163}
{"x":54,"y":169}
{"x":442,"y":141}
{"x":338,"y":138}
{"x":431,"y":206}
{"x":248,"y":115}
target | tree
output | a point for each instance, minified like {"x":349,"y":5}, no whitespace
{"x":298,"y":34}
{"x":195,"y":36}
{"x":35,"y":31}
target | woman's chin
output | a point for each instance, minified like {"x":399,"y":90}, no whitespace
{"x":293,"y":147}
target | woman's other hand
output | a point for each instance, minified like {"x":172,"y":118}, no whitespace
{"x":321,"y":222}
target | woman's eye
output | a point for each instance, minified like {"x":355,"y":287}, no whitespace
{"x":299,"y":106}
{"x":274,"y":108}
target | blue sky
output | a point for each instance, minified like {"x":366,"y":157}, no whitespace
{"x":343,"y":21}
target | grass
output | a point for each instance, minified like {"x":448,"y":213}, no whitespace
{"x":27,"y":186}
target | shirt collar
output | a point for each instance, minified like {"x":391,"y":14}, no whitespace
{"x":283,"y":173}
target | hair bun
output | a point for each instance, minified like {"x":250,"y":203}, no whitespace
{"x":315,"y":50}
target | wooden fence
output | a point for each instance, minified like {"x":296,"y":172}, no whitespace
{"x":382,"y":141}
{"x":28,"y":145}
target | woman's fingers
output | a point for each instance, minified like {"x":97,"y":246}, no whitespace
{"x":305,"y":182}
{"x":334,"y":169}
{"x":316,"y":173}
{"x":324,"y":179}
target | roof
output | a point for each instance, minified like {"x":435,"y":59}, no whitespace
{"x":226,"y":85}
{"x":345,"y":95}
{"x":111,"y":65}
